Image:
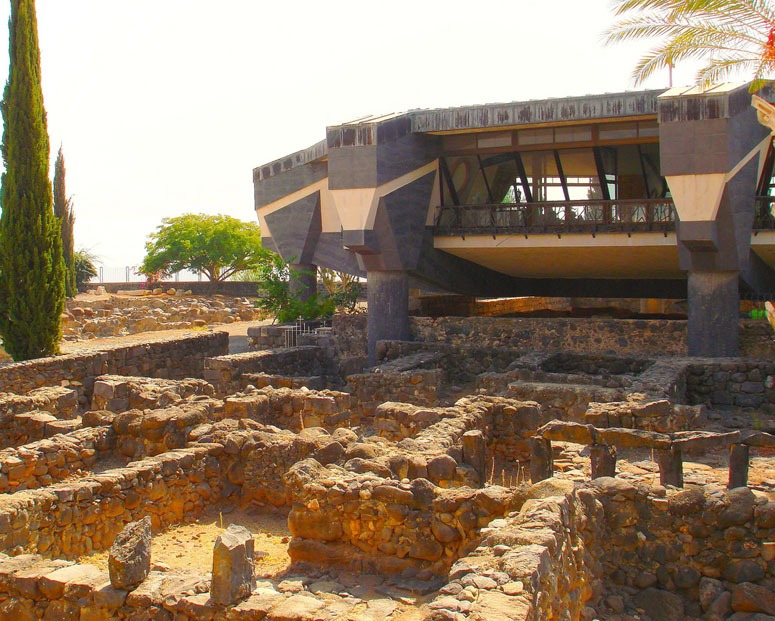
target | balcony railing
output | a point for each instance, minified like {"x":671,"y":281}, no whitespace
{"x":591,"y":216}
{"x":763,"y":219}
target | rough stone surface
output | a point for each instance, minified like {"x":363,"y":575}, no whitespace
{"x":129,"y":561}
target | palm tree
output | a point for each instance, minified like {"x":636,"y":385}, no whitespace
{"x":731,"y":36}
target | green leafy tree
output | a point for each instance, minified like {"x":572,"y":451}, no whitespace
{"x":275,"y":291}
{"x":218,"y":246}
{"x":730,"y":36}
{"x":32,"y":287}
{"x":84,"y":267}
{"x":63,"y":208}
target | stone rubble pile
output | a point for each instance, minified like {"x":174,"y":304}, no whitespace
{"x":120,"y":315}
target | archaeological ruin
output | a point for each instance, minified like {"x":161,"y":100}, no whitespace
{"x":487,"y":468}
{"x":603,"y":452}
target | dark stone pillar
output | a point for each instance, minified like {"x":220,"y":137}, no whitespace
{"x":738,"y":466}
{"x":541,"y":459}
{"x":671,"y":467}
{"x":714,"y":303}
{"x":603,"y":460}
{"x":475,"y":453}
{"x":388,"y":307}
{"x":304,"y":280}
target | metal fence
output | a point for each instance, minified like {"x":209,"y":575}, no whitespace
{"x":129,"y":274}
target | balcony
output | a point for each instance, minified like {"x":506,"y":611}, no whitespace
{"x":558,"y":217}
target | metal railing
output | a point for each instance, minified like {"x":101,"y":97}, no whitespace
{"x":590,"y":216}
{"x":763,"y":219}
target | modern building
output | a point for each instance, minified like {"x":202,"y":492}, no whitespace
{"x":638,"y":194}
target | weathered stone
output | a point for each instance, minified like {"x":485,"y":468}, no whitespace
{"x":296,"y":608}
{"x":704,"y":440}
{"x":747,"y":597}
{"x":709,"y":590}
{"x":740,"y":507}
{"x":660,"y":604}
{"x":743,"y":571}
{"x":129,"y":560}
{"x":233,"y":574}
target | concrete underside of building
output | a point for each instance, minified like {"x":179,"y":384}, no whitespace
{"x":641,"y":194}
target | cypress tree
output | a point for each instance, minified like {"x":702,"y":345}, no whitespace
{"x":63,"y":209}
{"x":32,"y":280}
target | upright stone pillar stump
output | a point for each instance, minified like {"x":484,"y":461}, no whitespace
{"x":541,"y":460}
{"x":388,"y":306}
{"x":603,"y":460}
{"x":671,"y":467}
{"x":233,"y":575}
{"x":738,"y":466}
{"x":129,"y":559}
{"x":475,"y":453}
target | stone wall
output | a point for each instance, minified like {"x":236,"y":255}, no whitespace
{"x":169,"y":358}
{"x":695,"y":552}
{"x":42,"y":521}
{"x":44,"y":462}
{"x":369,"y":390}
{"x":229,"y":373}
{"x":368,"y":523}
{"x":25,"y":418}
{"x":739,"y":382}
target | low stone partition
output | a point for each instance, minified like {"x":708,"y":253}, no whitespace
{"x":737,"y":382}
{"x":256,"y":457}
{"x":70,"y":519}
{"x":698,"y":553}
{"x":25,"y":418}
{"x":369,"y":390}
{"x":44,"y":462}
{"x":227,"y":373}
{"x":641,"y":413}
{"x":530,"y":566}
{"x":168,"y":358}
{"x":152,"y":432}
{"x":117,"y":393}
{"x":599,"y":365}
{"x":564,"y":401}
{"x":461,"y":363}
{"x":292,"y":409}
{"x":367,"y":523}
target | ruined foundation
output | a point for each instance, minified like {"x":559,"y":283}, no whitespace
{"x":465,"y":479}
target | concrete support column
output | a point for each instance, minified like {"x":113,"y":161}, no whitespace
{"x":304,"y":280}
{"x":388,"y":307}
{"x":714,"y":303}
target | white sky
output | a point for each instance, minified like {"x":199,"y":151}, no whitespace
{"x":164,"y":107}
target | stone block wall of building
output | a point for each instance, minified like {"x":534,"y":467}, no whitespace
{"x":168,"y":358}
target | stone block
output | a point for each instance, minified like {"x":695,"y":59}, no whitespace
{"x":129,"y":561}
{"x":233,"y":575}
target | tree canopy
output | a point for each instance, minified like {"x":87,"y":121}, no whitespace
{"x":32,"y":287}
{"x":731,"y":36}
{"x":218,"y":246}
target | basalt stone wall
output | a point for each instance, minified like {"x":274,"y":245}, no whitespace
{"x":164,"y":358}
{"x":70,"y":519}
{"x":292,"y":409}
{"x":369,"y":390}
{"x":30,"y":417}
{"x":685,"y":542}
{"x":536,"y":564}
{"x":739,"y":382}
{"x":227,"y":373}
{"x":42,"y":463}
{"x":366,"y":522}
{"x":602,"y":336}
{"x":460,"y":363}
